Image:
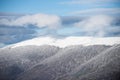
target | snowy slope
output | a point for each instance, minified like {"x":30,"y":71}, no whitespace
{"x":105,"y":66}
{"x":14,"y":61}
{"x":63,"y":62}
{"x":78,"y":63}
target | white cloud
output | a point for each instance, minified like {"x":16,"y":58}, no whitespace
{"x":97,"y":11}
{"x":83,"y":2}
{"x":99,"y":25}
{"x":39,"y":20}
{"x":69,"y":41}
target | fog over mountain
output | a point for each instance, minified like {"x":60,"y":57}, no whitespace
{"x":34,"y":61}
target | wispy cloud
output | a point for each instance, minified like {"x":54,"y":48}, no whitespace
{"x":39,"y":20}
{"x":83,"y":2}
{"x":93,"y":7}
{"x":97,"y":11}
{"x":100,"y":25}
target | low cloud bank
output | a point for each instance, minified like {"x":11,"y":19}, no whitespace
{"x":99,"y":25}
{"x":39,"y":20}
{"x":15,"y":30}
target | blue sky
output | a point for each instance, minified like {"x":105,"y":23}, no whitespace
{"x":25,"y":19}
{"x":58,"y":7}
{"x":33,"y":6}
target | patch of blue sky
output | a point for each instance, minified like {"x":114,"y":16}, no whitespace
{"x":69,"y":31}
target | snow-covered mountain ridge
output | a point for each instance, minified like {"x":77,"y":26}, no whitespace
{"x":64,"y":42}
{"x":72,"y":58}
